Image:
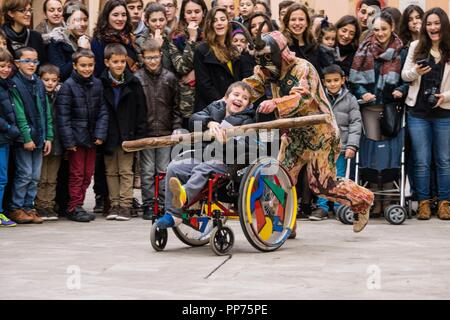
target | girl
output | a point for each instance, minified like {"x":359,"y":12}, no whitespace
{"x":411,"y":24}
{"x":53,"y":12}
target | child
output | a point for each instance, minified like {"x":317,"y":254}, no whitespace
{"x":34,"y":119}
{"x":82,"y":118}
{"x":163,"y":118}
{"x":186,"y":178}
{"x":326,"y":36}
{"x":45,"y":198}
{"x":8,"y":129}
{"x":125,"y":99}
{"x":3,"y":40}
{"x":348,"y":117}
{"x":246,"y":8}
{"x":239,"y":40}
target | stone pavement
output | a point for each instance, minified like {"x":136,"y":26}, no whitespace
{"x":114,"y":260}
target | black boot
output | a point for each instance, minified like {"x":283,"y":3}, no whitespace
{"x":99,"y":204}
{"x":148,"y":214}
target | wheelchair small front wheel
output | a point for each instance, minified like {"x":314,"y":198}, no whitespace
{"x":221,"y":240}
{"x":158,"y":238}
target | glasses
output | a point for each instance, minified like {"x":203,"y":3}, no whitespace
{"x":24,"y":11}
{"x":35,"y":62}
{"x":152,"y":58}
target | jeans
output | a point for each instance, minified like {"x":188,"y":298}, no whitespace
{"x":26,"y":178}
{"x":430,"y":137}
{"x":341,"y":167}
{"x":4,"y":154}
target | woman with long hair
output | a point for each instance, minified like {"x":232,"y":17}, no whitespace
{"x":216,"y":61}
{"x":255,"y":20}
{"x":53,"y":18}
{"x":427,"y":68}
{"x":411,"y":24}
{"x":114,"y":26}
{"x":347,"y":42}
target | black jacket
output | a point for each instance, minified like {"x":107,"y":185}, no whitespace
{"x":82,"y":114}
{"x":8,"y":129}
{"x":127,"y":119}
{"x":213,"y":78}
{"x":319,"y":57}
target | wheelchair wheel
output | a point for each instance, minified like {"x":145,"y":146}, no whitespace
{"x":191,"y":235}
{"x":221,"y":240}
{"x":267,"y":205}
{"x":346,"y":215}
{"x":395,"y":214}
{"x":158,"y":238}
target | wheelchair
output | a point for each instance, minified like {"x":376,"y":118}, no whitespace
{"x":261,"y":196}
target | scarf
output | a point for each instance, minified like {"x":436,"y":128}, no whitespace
{"x":114,"y":82}
{"x":17,"y":40}
{"x":362,"y":70}
{"x":345,"y":51}
{"x":112,"y":36}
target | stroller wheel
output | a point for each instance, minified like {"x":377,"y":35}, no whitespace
{"x":346,"y":215}
{"x":395,"y":214}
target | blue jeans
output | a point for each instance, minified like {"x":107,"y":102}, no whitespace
{"x":4,"y":154}
{"x":26,"y":178}
{"x":430,"y":137}
{"x":341,"y":167}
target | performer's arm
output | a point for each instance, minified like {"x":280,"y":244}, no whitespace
{"x":256,"y":81}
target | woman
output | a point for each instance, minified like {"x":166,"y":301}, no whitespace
{"x":297,"y":30}
{"x":255,"y":20}
{"x":216,"y":62}
{"x":411,"y":24}
{"x":17,"y":16}
{"x":347,"y":41}
{"x":171,"y":7}
{"x":428,"y":104}
{"x":114,"y":26}
{"x":53,"y":12}
{"x":65,"y":41}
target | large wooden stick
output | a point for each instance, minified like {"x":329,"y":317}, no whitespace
{"x":166,"y":141}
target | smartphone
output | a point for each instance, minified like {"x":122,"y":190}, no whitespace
{"x":423,"y":63}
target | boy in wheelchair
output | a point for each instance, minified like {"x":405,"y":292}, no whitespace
{"x":186,"y":178}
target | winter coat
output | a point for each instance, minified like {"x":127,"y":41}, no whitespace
{"x":8,"y":128}
{"x":27,"y":38}
{"x":348,"y":117}
{"x":60,"y":49}
{"x":213,"y":78}
{"x":82,"y":114}
{"x":161,"y":96}
{"x":128,"y":118}
{"x":317,"y":55}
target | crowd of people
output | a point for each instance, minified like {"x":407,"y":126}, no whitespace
{"x":69,"y":99}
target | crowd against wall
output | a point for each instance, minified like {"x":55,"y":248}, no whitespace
{"x":69,"y":99}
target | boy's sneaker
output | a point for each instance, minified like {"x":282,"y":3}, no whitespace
{"x":52,"y":215}
{"x":178,"y":193}
{"x":124,"y":214}
{"x":113,"y":213}
{"x":20,"y":216}
{"x":5,"y":222}
{"x":318,"y":215}
{"x":168,"y":221}
{"x":78,"y":216}
{"x":36,"y":217}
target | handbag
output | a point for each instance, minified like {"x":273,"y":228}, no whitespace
{"x":391,"y":119}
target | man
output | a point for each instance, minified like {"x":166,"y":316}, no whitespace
{"x":366,"y":10}
{"x":136,"y":9}
{"x":229,"y":5}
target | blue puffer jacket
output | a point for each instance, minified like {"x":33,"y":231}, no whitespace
{"x":8,"y":129}
{"x":82,"y":114}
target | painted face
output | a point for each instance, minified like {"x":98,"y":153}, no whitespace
{"x":333,"y":82}
{"x":329,"y":39}
{"x":50,"y":81}
{"x":22,"y":16}
{"x":54,"y":12}
{"x":240,"y":42}
{"x":433,"y":27}
{"x":229,"y":5}
{"x":84,"y":66}
{"x":346,"y":34}
{"x":118,"y":18}
{"x":78,"y":23}
{"x":28,"y":63}
{"x":157,"y":21}
{"x":116,"y":64}
{"x":170,"y":9}
{"x":254,"y":26}
{"x":364,"y":13}
{"x":298,"y":23}
{"x":152,"y":60}
{"x":246,"y":8}
{"x":135,"y":11}
{"x":382,"y":31}
{"x":193,"y":13}
{"x":220,"y":24}
{"x":414,"y":22}
{"x":237,"y":101}
{"x":5,"y":69}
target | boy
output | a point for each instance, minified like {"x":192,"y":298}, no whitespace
{"x":45,"y":198}
{"x":348,"y":117}
{"x":8,"y":130}
{"x":136,"y":8}
{"x":82,"y":118}
{"x":186,"y":178}
{"x":34,"y":119}
{"x":125,"y":99}
{"x":163,"y":118}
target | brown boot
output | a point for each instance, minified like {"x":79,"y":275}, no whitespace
{"x":424,"y":212}
{"x":444,"y":210}
{"x":20,"y":216}
{"x":363,"y":219}
{"x":36,"y":217}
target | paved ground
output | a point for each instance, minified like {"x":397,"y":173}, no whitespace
{"x":114,"y":260}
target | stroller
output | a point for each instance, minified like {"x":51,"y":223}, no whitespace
{"x":378,"y":163}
